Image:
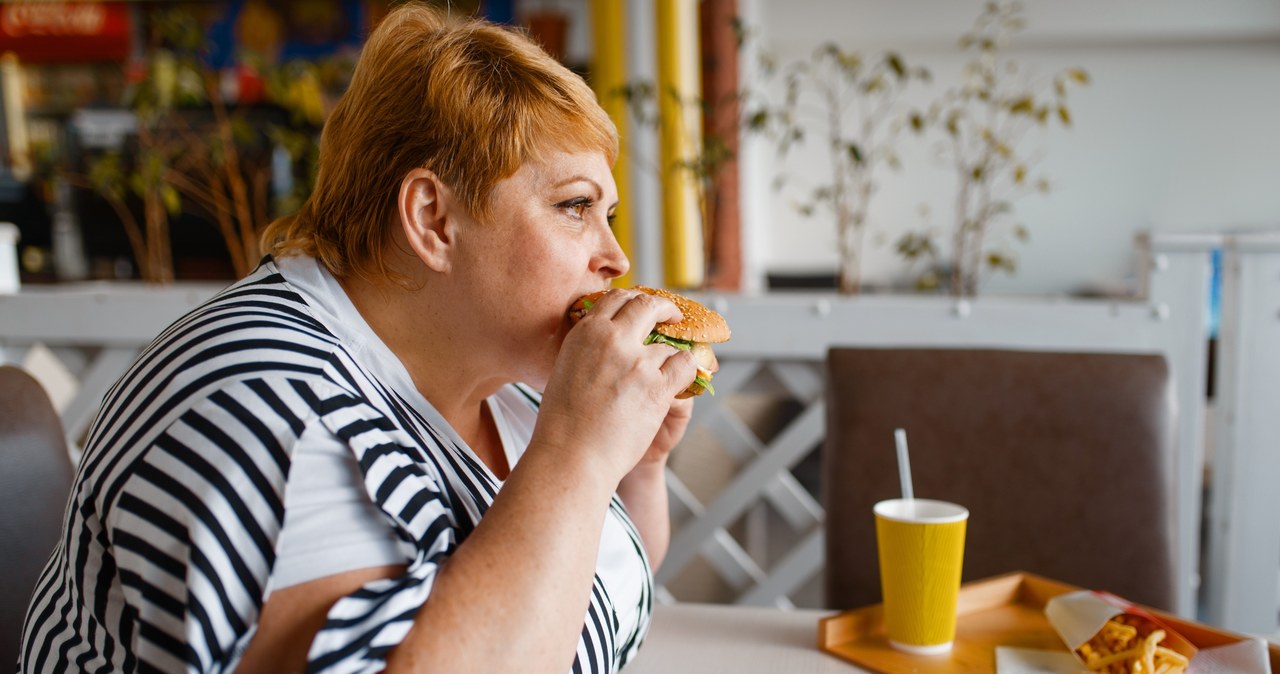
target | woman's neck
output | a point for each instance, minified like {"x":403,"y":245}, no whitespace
{"x":450,"y":370}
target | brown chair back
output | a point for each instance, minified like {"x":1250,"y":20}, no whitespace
{"x":35,"y":480}
{"x":1063,"y":460}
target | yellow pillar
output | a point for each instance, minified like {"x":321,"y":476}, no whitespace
{"x":680,"y":139}
{"x":15,"y":115}
{"x":608,"y":75}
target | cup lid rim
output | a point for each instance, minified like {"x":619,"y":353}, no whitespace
{"x":943,"y":512}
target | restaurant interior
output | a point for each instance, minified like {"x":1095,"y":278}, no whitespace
{"x":1040,"y":239}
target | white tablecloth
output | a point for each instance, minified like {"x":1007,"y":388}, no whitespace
{"x":716,"y":639}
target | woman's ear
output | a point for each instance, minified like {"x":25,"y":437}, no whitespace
{"x":424,"y":207}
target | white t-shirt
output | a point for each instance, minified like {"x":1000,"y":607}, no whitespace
{"x":331,"y":524}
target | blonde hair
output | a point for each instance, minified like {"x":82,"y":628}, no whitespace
{"x":466,"y":99}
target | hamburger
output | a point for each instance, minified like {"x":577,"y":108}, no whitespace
{"x":700,"y":328}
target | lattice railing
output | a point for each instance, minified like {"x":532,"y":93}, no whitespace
{"x":763,"y":479}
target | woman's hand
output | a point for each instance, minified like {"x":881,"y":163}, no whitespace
{"x":610,"y":397}
{"x":670,"y":433}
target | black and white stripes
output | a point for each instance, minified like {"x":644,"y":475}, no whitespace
{"x":179,"y":499}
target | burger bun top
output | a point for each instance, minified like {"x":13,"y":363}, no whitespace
{"x":700,"y":324}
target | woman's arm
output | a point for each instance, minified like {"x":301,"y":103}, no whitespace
{"x":291,"y":617}
{"x":644,"y":489}
{"x":644,"y":492}
{"x":514,"y":594}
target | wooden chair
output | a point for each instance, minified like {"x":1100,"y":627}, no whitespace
{"x":1064,"y":461}
{"x":35,"y":480}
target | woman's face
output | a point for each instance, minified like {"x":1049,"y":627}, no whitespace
{"x":546,"y":243}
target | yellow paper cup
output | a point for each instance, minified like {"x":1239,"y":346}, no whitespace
{"x":921,"y":544}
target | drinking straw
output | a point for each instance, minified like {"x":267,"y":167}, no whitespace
{"x":904,"y":463}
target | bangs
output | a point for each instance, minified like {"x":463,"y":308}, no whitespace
{"x":564,"y":131}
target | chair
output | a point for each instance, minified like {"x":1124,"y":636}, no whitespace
{"x":1064,"y":461}
{"x":35,"y":479}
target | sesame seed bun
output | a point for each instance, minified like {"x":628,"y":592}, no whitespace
{"x":700,"y":324}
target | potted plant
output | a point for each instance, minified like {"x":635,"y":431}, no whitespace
{"x":985,"y":120}
{"x":853,"y":101}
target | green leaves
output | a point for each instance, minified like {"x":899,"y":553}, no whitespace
{"x":848,"y":63}
{"x":895,"y":64}
{"x":913,"y":245}
{"x":740,"y":31}
{"x":1022,"y":106}
{"x":178,"y":29}
{"x":107,"y":176}
{"x":1001,"y":262}
{"x":242,"y":132}
{"x":656,"y":337}
{"x":172,"y":201}
{"x":855,"y":153}
{"x":704,"y":383}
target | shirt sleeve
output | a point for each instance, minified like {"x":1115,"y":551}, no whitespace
{"x":192,"y":528}
{"x":406,"y":486}
{"x":330,"y":524}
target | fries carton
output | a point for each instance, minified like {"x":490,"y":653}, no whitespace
{"x":1103,"y":631}
{"x":1109,"y":634}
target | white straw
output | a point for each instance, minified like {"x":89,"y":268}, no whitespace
{"x":904,"y":463}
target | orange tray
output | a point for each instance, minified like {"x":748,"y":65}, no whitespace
{"x":1003,"y":611}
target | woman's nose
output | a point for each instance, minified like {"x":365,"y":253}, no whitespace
{"x":611,"y":261}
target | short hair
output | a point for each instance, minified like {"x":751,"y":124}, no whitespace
{"x":464,"y":98}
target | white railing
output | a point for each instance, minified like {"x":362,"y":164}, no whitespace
{"x":779,"y":345}
{"x":94,"y":331}
{"x":1243,"y":537}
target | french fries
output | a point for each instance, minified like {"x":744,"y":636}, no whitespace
{"x":1129,"y":644}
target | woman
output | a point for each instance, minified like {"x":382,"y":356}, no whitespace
{"x":330,"y":465}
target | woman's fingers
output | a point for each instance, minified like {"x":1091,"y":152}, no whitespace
{"x":679,"y":370}
{"x":643,"y":311}
{"x":634,"y":312}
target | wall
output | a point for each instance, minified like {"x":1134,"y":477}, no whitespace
{"x":1175,"y":133}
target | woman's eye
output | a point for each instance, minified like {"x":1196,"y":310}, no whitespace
{"x":577,"y":207}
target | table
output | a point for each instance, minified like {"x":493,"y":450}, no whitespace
{"x":712,"y":638}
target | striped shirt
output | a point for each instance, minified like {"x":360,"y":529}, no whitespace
{"x":178,"y":501}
